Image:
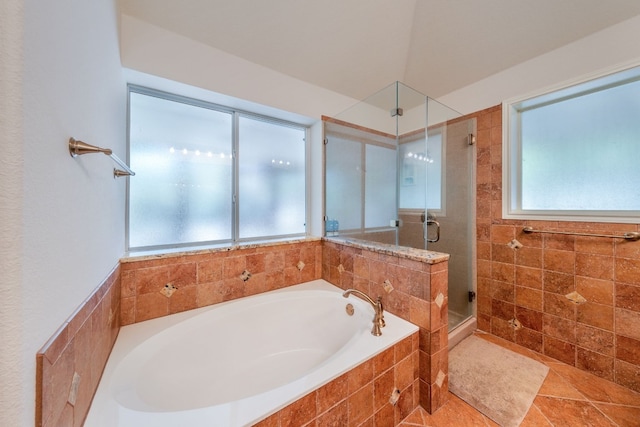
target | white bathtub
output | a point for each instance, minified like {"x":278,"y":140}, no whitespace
{"x":235,"y":363}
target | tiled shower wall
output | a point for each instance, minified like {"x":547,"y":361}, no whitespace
{"x":576,"y":299}
{"x":419,"y":295}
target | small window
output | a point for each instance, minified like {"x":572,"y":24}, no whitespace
{"x":573,"y":154}
{"x":206,"y":174}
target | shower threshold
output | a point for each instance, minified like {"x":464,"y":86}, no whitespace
{"x":462,"y":330}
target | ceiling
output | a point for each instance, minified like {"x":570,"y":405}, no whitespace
{"x":357,"y":47}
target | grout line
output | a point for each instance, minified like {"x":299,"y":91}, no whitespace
{"x":605,"y":415}
{"x":533,"y":405}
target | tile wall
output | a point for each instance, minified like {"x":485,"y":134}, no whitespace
{"x":575,"y":299}
{"x":70,"y":364}
{"x":360,"y":397}
{"x":419,"y":295}
{"x":167,"y":284}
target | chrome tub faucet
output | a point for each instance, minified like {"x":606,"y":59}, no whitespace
{"x":378,"y":318}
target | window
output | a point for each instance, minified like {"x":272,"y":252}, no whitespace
{"x":572,"y":154}
{"x":206,"y":174}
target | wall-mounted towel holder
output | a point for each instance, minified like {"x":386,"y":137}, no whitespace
{"x":630,"y":236}
{"x":78,"y":148}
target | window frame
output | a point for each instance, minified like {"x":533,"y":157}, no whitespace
{"x":236,"y":113}
{"x":512,"y":145}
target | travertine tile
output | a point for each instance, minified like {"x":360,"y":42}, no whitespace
{"x":570,"y":412}
{"x":624,"y":416}
{"x":627,"y":270}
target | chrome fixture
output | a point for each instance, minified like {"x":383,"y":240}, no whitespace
{"x":378,"y":318}
{"x":631,"y":235}
{"x":396,"y":112}
{"x":78,"y":148}
{"x":427,"y":220}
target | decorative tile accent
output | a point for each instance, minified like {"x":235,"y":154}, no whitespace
{"x":341,"y":269}
{"x":168,"y":290}
{"x":246,"y":275}
{"x":575,"y":298}
{"x":440,"y":378}
{"x":73,"y":391}
{"x":439,"y":300}
{"x":387,"y":286}
{"x":514,"y":244}
{"x":515,"y":324}
{"x":395,"y":395}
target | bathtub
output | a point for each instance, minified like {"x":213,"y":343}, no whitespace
{"x":235,"y":363}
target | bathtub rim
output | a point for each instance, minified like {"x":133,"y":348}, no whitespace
{"x":104,"y":403}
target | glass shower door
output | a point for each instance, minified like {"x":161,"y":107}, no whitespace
{"x":399,"y":170}
{"x":450,"y":227}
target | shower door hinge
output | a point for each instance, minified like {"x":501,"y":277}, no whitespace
{"x":472,"y":296}
{"x":396,"y":112}
{"x":326,"y":141}
{"x":471,"y":139}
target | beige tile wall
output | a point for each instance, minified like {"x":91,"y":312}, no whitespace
{"x":601,"y":334}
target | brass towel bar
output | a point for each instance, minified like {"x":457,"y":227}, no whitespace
{"x":631,"y":235}
{"x":77,"y":148}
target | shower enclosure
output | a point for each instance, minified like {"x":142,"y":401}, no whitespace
{"x":399,"y":170}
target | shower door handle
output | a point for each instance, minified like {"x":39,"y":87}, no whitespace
{"x":429,"y":222}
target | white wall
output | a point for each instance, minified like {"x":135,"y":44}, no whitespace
{"x":153,"y":50}
{"x":62,"y":219}
{"x":601,"y":51}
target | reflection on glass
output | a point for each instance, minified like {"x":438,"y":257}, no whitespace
{"x":380,"y":186}
{"x":344,"y":183}
{"x":421,"y":173}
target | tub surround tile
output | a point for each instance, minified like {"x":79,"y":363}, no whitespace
{"x":419,"y":295}
{"x":361,"y":396}
{"x":205,"y":277}
{"x":69,"y":365}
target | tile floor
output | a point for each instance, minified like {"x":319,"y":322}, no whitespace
{"x":568,"y":397}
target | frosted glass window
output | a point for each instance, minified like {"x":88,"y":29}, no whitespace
{"x":344,"y":183}
{"x":207,"y":174}
{"x":271,"y":179}
{"x":380,"y":186}
{"x":182,"y":188}
{"x":576,"y":154}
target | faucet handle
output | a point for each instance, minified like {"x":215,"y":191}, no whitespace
{"x":380,"y":310}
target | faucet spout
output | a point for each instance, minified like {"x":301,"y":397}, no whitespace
{"x":378,"y":318}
